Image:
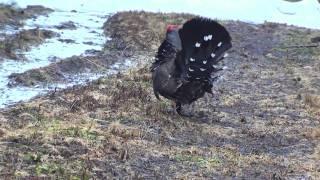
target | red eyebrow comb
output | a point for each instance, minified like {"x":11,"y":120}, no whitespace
{"x":172,"y":27}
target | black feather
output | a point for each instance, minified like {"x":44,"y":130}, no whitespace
{"x":195,"y":31}
{"x":166,"y":52}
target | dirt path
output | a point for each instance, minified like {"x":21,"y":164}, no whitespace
{"x":261,"y":123}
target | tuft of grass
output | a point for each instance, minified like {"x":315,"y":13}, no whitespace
{"x":312,"y":103}
{"x":207,"y":162}
{"x":312,"y":100}
{"x":313,"y":133}
{"x":118,"y":129}
{"x":79,"y":132}
{"x":48,"y":168}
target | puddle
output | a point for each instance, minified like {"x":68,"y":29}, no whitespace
{"x":88,"y":29}
{"x":88,"y":35}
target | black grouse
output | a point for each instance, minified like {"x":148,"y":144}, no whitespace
{"x":186,"y":60}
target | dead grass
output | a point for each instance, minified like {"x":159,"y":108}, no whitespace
{"x":148,"y":28}
{"x":312,"y":100}
{"x":59,"y":144}
{"x":114,"y":127}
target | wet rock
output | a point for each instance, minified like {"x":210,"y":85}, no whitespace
{"x":12,"y":15}
{"x":89,"y":43}
{"x":67,"y":41}
{"x":315,"y":39}
{"x":67,"y":25}
{"x":91,"y":51}
{"x":95,"y":32}
{"x":36,"y":10}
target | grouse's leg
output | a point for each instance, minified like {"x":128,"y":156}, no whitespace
{"x":179,"y":108}
{"x":181,"y":112}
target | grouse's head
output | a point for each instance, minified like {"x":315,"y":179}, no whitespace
{"x":172,"y":27}
{"x":172,"y":36}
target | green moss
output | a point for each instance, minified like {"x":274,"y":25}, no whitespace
{"x":33,"y":157}
{"x":49,"y":168}
{"x":79,"y":132}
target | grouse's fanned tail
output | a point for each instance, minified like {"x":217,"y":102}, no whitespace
{"x":204,"y":43}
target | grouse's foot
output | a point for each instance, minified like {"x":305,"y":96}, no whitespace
{"x":186,"y":112}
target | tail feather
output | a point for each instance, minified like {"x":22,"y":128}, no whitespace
{"x":204,"y":43}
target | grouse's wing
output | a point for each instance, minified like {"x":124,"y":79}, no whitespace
{"x":204,"y":43}
{"x":166,"y":52}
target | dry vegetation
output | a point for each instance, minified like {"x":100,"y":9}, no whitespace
{"x":261,"y":123}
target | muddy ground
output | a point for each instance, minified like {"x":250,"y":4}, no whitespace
{"x":263,"y":121}
{"x":11,"y":19}
{"x":10,"y":14}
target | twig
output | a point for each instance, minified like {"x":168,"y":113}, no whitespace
{"x":96,"y":64}
{"x":303,"y":46}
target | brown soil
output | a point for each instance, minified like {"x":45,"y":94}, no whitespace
{"x":263,"y":121}
{"x":66,"y":25}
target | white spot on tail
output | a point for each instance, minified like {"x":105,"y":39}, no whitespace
{"x":213,"y":55}
{"x":220,"y":43}
{"x":197,"y":44}
{"x":207,"y":38}
{"x":202,"y":69}
{"x":225,"y":55}
{"x":204,"y":62}
{"x":197,"y":78}
{"x":192,"y":60}
{"x":191,"y":70}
